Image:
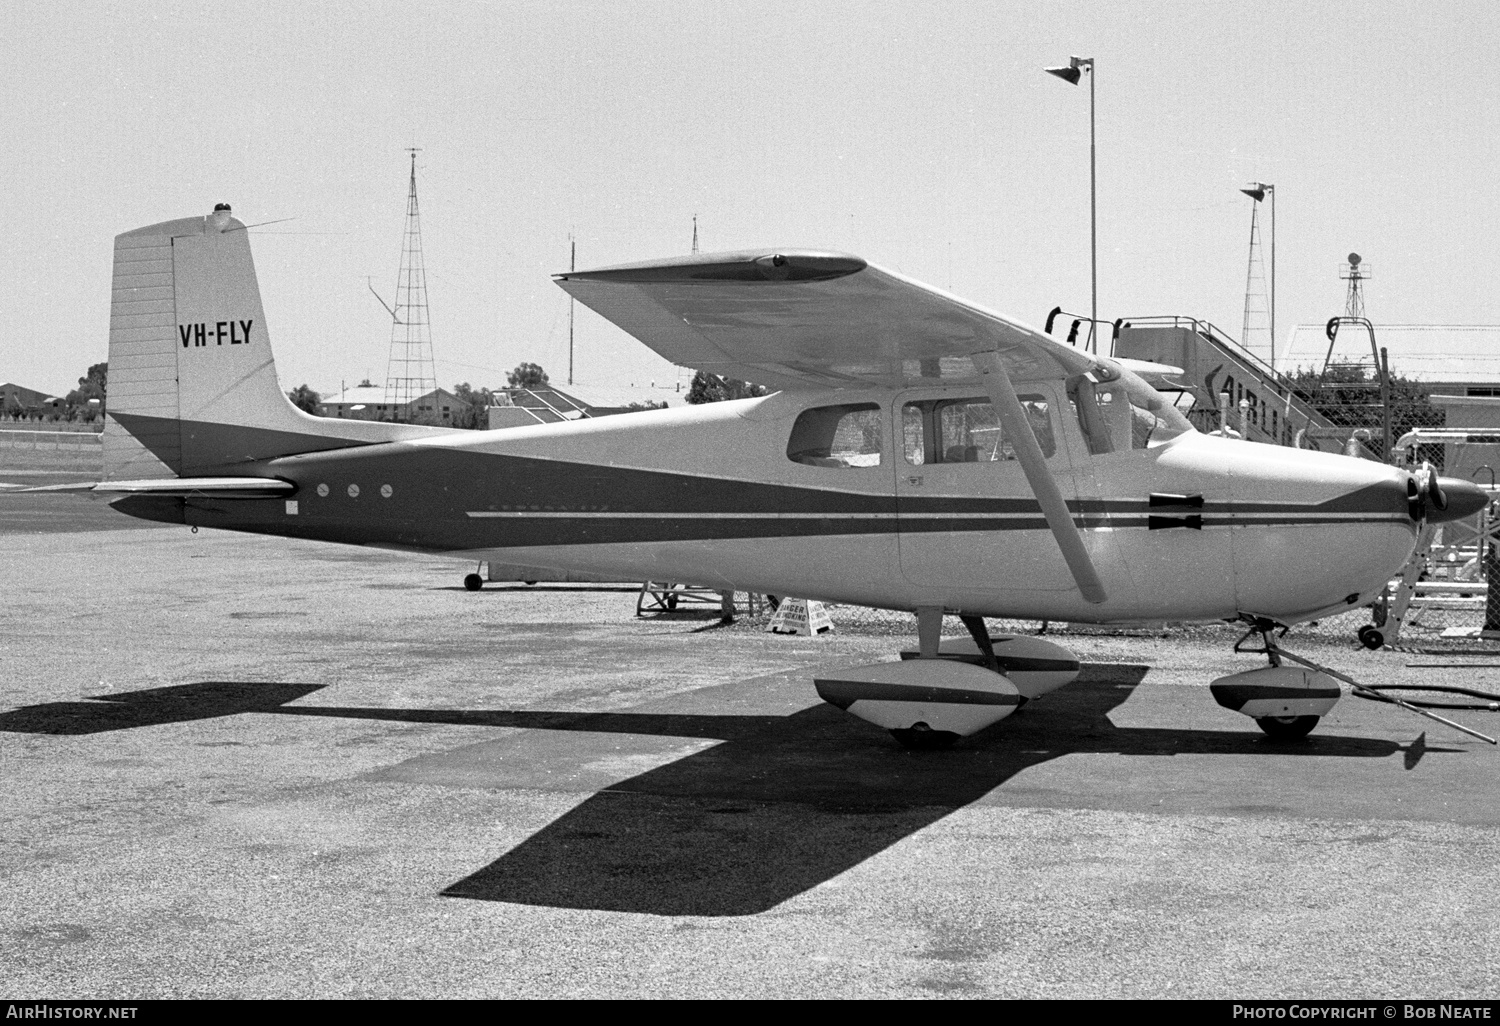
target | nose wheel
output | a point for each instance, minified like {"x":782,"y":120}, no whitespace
{"x":1287,"y":728}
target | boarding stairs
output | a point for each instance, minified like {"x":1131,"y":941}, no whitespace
{"x":1261,"y":404}
{"x":546,"y":406}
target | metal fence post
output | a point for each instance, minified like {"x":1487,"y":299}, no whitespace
{"x":1491,"y":563}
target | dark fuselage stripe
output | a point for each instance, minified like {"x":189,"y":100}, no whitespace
{"x":440,"y":498}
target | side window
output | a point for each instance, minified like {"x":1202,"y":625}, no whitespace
{"x":968,"y":431}
{"x":913,"y":434}
{"x":837,"y":436}
{"x":1039,"y":416}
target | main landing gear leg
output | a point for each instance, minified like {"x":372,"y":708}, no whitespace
{"x":981,"y":635}
{"x":929,"y":631}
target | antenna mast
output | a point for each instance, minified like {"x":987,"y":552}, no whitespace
{"x":695,"y":233}
{"x":409,"y":373}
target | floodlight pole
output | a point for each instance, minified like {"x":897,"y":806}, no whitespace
{"x":572,"y":303}
{"x":1258,"y":192}
{"x":1272,"y":190}
{"x":1071,"y":74}
{"x":1093,"y":223}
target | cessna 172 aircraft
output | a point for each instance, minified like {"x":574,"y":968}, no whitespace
{"x":923,"y":454}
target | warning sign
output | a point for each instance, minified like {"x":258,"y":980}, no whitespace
{"x":799,"y":616}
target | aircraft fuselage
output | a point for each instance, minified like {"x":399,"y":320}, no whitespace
{"x":1194,"y":527}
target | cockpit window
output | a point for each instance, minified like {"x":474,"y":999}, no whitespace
{"x":1095,"y":406}
{"x":1104,"y":410}
{"x":837,"y":436}
{"x":1152,"y":417}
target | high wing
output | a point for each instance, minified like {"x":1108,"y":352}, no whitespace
{"x":802,"y":319}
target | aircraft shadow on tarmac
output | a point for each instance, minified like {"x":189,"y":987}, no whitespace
{"x":781,"y":805}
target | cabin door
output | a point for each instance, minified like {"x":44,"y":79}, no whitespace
{"x":967,"y":517}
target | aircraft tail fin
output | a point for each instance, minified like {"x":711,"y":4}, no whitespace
{"x":192,"y":383}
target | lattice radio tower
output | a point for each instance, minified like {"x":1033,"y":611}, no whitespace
{"x":409,"y":373}
{"x":1355,"y":273}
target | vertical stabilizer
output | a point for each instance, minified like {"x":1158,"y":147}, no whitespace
{"x":192,"y":382}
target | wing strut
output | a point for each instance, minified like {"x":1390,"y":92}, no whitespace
{"x":1043,"y":485}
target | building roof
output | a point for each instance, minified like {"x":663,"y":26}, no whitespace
{"x":1456,"y":353}
{"x":368,"y":394}
{"x":357,"y":394}
{"x":24,"y":394}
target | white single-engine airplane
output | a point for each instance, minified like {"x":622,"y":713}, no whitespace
{"x":923,"y":454}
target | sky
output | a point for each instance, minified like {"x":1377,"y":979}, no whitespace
{"x":924,"y":137}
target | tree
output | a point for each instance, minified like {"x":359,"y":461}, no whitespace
{"x":90,"y":386}
{"x":473,"y":405}
{"x":305,"y":399}
{"x":710,"y":388}
{"x":649,"y":404}
{"x":1349,"y":396}
{"x":527,"y":375}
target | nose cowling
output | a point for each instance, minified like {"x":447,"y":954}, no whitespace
{"x":1464,"y":499}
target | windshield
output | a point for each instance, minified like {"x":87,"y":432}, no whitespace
{"x":1153,"y":417}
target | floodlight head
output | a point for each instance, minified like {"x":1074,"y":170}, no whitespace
{"x":1071,"y":75}
{"x":1257,"y":193}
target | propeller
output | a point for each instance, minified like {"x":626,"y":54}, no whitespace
{"x":1418,"y":486}
{"x":1436,"y":497}
{"x":1039,"y":476}
{"x":1440,"y":499}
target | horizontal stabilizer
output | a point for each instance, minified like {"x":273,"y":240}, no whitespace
{"x":76,"y":486}
{"x":184,"y":487}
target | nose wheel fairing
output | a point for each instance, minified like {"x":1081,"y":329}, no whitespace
{"x":1277,"y":691}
